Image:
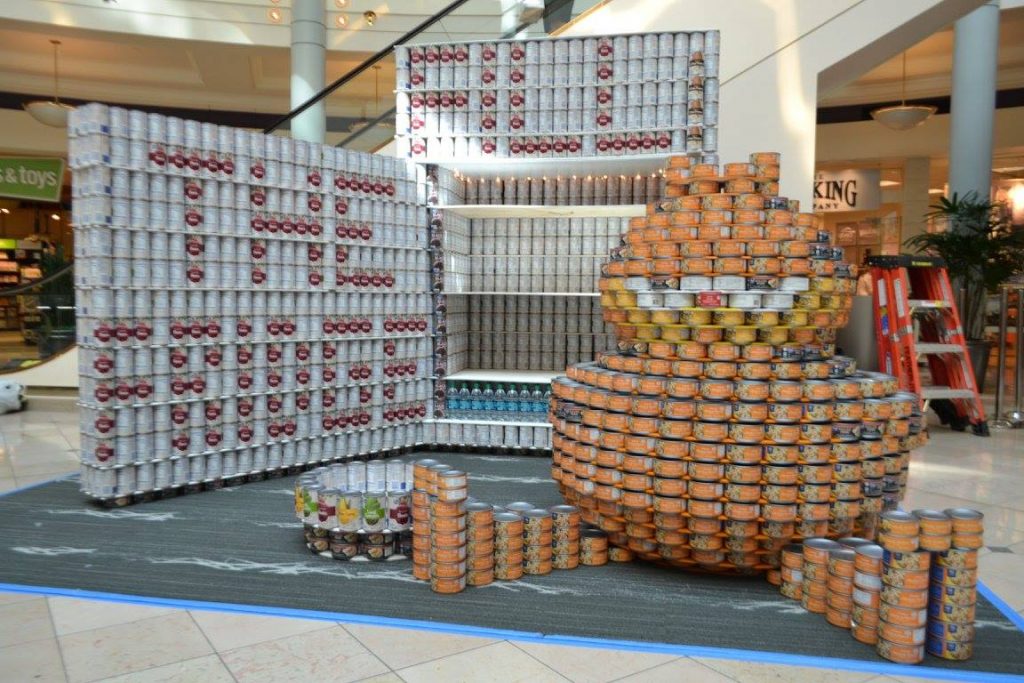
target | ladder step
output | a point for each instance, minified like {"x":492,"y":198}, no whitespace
{"x":929,"y":393}
{"x":933,"y":348}
{"x":927,"y":303}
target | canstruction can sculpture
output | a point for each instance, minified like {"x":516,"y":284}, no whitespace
{"x":724,"y":425}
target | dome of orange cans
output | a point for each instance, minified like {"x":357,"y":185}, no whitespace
{"x":725,"y":425}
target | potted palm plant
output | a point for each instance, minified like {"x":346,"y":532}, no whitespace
{"x":981,"y":250}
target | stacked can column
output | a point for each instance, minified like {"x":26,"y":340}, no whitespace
{"x":448,"y":530}
{"x":814,"y":591}
{"x":421,"y":528}
{"x":953,"y":588}
{"x":565,"y":543}
{"x":866,"y":593}
{"x":508,"y":546}
{"x":839,"y":600}
{"x":593,"y":548}
{"x":537,"y":539}
{"x":479,"y":543}
{"x":903,"y":610}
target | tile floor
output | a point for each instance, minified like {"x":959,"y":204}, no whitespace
{"x":69,"y":639}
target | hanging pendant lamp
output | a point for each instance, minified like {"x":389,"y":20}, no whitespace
{"x":51,"y":112}
{"x":903,"y":116}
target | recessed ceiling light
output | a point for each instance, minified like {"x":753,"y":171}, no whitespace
{"x":5,"y":210}
{"x":341,"y":21}
{"x":888,"y":183}
{"x":936,"y":190}
{"x":370,"y":16}
{"x":341,"y":4}
{"x":274,"y":14}
{"x":55,"y":216}
{"x":1008,"y":169}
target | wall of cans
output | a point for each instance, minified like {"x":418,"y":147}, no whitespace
{"x":504,"y":331}
{"x":561,"y":97}
{"x":357,"y":511}
{"x":558,"y":190}
{"x":247,"y":303}
{"x":488,"y":435}
{"x":540,"y":254}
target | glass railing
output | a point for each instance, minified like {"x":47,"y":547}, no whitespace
{"x":361,"y":104}
{"x":38,"y":319}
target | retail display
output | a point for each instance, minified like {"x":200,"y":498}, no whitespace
{"x":247,"y":303}
{"x":357,"y":510}
{"x":458,"y":541}
{"x":725,"y":425}
{"x":575,"y":97}
{"x":912,"y":593}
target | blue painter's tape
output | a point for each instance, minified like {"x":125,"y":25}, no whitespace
{"x":1001,"y":605}
{"x":755,"y":656}
{"x":37,"y":484}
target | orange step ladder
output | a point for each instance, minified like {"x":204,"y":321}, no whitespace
{"x":909,"y":289}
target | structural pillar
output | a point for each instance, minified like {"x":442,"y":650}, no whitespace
{"x":309,"y":62}
{"x":915,"y":200}
{"x":975,"y":46}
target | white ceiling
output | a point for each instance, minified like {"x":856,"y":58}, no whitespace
{"x":930,"y":65}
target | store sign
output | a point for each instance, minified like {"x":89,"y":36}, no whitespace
{"x":31,"y":178}
{"x":850,"y":190}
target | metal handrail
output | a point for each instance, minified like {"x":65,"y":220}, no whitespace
{"x":364,"y":66}
{"x":28,"y":286}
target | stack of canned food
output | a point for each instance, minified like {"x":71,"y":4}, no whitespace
{"x":357,"y":510}
{"x":725,"y":425}
{"x":610,"y":95}
{"x":913,"y":594}
{"x":953,"y":588}
{"x":593,"y":547}
{"x":550,"y":190}
{"x":459,"y":542}
{"x":247,"y":303}
{"x":867,"y":593}
{"x":479,"y":544}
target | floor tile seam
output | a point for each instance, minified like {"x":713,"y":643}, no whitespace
{"x":649,"y":668}
{"x":56,"y":640}
{"x":341,"y":625}
{"x":209,"y":642}
{"x":866,"y":679}
{"x":720,"y":673}
{"x":326,"y":625}
{"x":118,"y":625}
{"x":158,"y":666}
{"x":542,"y":663}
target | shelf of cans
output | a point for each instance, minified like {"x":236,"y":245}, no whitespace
{"x":247,"y":302}
{"x":725,"y":425}
{"x":552,"y":190}
{"x":458,"y":541}
{"x":911,"y":593}
{"x":562,"y":97}
{"x":497,"y":401}
{"x":357,"y":511}
{"x":488,"y":434}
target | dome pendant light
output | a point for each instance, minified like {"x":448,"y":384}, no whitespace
{"x":903,"y":116}
{"x":51,"y":112}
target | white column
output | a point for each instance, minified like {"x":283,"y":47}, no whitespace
{"x":309,"y":60}
{"x":915,"y":201}
{"x":975,"y":44}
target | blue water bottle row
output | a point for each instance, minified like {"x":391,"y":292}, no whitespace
{"x":497,"y":401}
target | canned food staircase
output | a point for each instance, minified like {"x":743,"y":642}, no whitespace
{"x":908,"y":329}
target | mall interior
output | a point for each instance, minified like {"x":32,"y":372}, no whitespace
{"x":512,"y":340}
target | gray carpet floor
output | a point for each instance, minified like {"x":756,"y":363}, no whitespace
{"x":242,"y":545}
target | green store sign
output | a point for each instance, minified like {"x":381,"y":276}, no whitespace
{"x":31,"y":178}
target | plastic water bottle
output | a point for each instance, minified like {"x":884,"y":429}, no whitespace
{"x":545,"y":401}
{"x":452,"y":402}
{"x":462,"y":409}
{"x":525,"y":403}
{"x":488,"y":400}
{"x":501,"y":403}
{"x":539,"y":407}
{"x":476,"y":403}
{"x":512,"y":405}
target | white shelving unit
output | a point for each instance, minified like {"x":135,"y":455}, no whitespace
{"x":545,"y":211}
{"x":493,"y":423}
{"x":562,"y":294}
{"x":626,"y":164}
{"x":505,"y":376}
